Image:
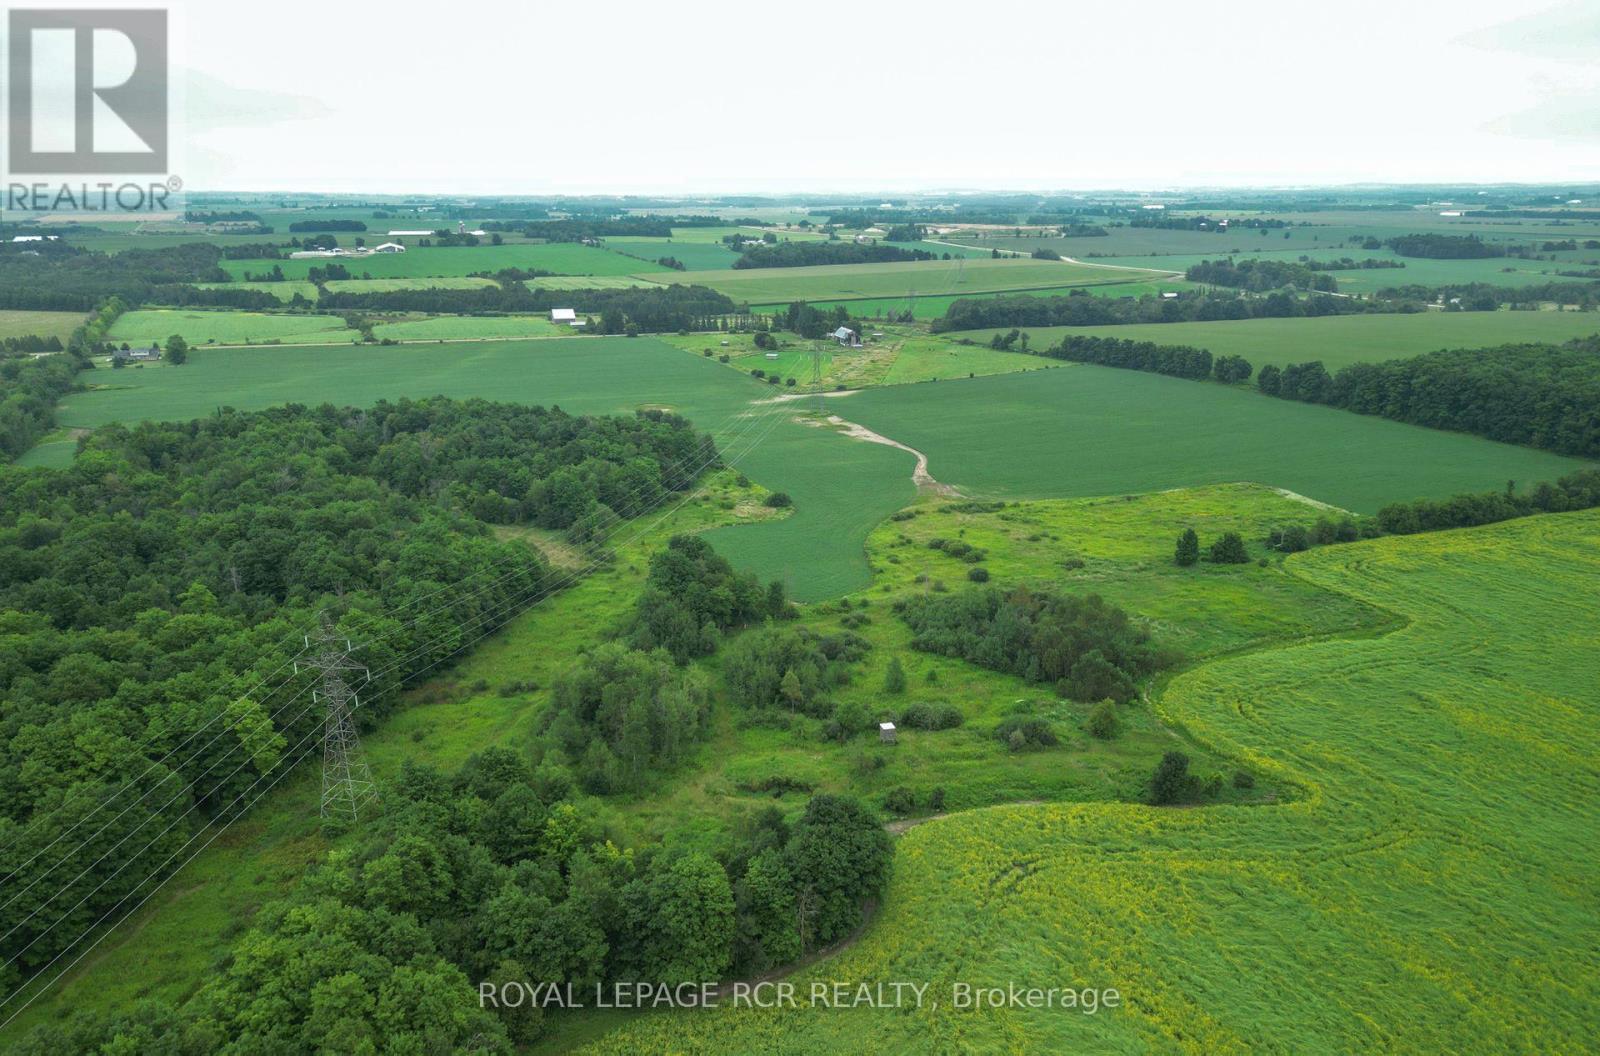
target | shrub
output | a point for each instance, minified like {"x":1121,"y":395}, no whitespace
{"x":779,"y":500}
{"x":1021,"y":732}
{"x":1229,"y":550}
{"x":1171,"y":781}
{"x":1243,"y":779}
{"x":978,"y":574}
{"x":1103,"y":720}
{"x":900,"y":801}
{"x":1188,"y":551}
{"x":894,"y":679}
{"x":927,"y":716}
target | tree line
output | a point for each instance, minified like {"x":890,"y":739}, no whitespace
{"x":1545,"y":396}
{"x":808,"y":254}
{"x":1081,"y":308}
{"x":651,"y":308}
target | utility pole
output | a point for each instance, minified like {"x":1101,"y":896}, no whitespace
{"x":816,"y":372}
{"x":347,"y":785}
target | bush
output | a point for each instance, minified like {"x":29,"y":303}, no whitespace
{"x":926,"y":716}
{"x":978,"y":574}
{"x":900,"y":801}
{"x":1171,"y":781}
{"x":894,"y":679}
{"x":1229,"y":550}
{"x":779,"y":500}
{"x":1243,"y":779}
{"x":1103,"y":720}
{"x":1022,"y":733}
{"x":1188,"y":550}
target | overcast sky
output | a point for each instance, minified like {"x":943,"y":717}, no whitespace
{"x":705,"y":95}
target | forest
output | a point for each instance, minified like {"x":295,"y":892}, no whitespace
{"x":146,"y":588}
{"x":1259,"y":276}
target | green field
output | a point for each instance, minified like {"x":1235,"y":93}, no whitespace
{"x":1080,"y":430}
{"x":841,"y":488}
{"x":695,"y":255}
{"x":586,"y":282}
{"x":902,"y":354}
{"x":1338,"y":340}
{"x":226,"y":328}
{"x":1430,"y":891}
{"x":448,"y":282}
{"x":925,"y":309}
{"x":565,"y":258}
{"x":40,"y":324}
{"x":284,"y":291}
{"x":924,"y":278}
{"x":1418,"y":271}
{"x":471,"y":327}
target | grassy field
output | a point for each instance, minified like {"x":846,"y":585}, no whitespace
{"x":924,"y":309}
{"x":903,"y":354}
{"x":1339,"y":340}
{"x":1421,"y":895}
{"x":474,"y":327}
{"x":1079,"y":430}
{"x":586,"y":282}
{"x":841,"y":488}
{"x":1496,"y":271}
{"x":41,"y":324}
{"x":226,"y":328}
{"x":1212,"y":612}
{"x":926,"y":278}
{"x":284,"y":291}
{"x":444,"y":282}
{"x":566,"y":258}
{"x":695,"y":255}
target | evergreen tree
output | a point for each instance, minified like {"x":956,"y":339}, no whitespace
{"x":1188,"y":551}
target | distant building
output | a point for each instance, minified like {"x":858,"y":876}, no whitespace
{"x":886,"y":732}
{"x":846,"y":336}
{"x":772,"y":355}
{"x":389,"y":247}
{"x":34,"y":238}
{"x":564,"y":315}
{"x":137,"y":355}
{"x":304,"y":254}
{"x":414,"y":234}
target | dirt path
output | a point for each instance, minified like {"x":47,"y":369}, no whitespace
{"x":919,"y":474}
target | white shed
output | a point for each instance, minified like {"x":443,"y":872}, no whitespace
{"x":563,"y":315}
{"x":886,"y":732}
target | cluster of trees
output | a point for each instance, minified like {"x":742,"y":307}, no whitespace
{"x":1179,"y":361}
{"x":1483,"y":297}
{"x":806,"y":254}
{"x":173,"y":564}
{"x":653,"y":308}
{"x":1347,"y":264}
{"x":1228,"y":549}
{"x":1444,"y":247}
{"x":29,"y":391}
{"x":793,"y":668}
{"x":1545,"y":396}
{"x":495,"y":874}
{"x":1164,"y":221}
{"x":576,"y":229}
{"x":813,"y":323}
{"x":324,"y":226}
{"x":1086,"y":647}
{"x":29,"y":344}
{"x":1080,"y":308}
{"x":1259,"y":276}
{"x":692,"y":594}
{"x":53,"y":276}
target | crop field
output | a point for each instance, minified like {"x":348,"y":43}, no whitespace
{"x":695,"y":255}
{"x":860,"y":281}
{"x":470,"y":327}
{"x":924,"y":309}
{"x":284,"y":291}
{"x":1080,"y":430}
{"x":1338,"y":340}
{"x":40,"y":324}
{"x":1495,"y":271}
{"x":226,"y":328}
{"x":565,"y":258}
{"x":1404,"y":902}
{"x":451,"y":282}
{"x":841,"y":487}
{"x":586,"y":282}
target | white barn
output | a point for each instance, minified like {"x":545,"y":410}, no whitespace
{"x":564,"y":315}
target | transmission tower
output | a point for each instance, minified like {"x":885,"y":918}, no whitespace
{"x":816,"y":372}
{"x":347,"y":785}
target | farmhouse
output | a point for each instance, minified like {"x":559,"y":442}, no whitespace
{"x":846,"y":336}
{"x":564,"y":315}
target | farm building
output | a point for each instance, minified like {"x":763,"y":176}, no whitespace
{"x":886,"y":732}
{"x":846,"y":336}
{"x":564,"y":315}
{"x":389,"y":247}
{"x":397,"y":234}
